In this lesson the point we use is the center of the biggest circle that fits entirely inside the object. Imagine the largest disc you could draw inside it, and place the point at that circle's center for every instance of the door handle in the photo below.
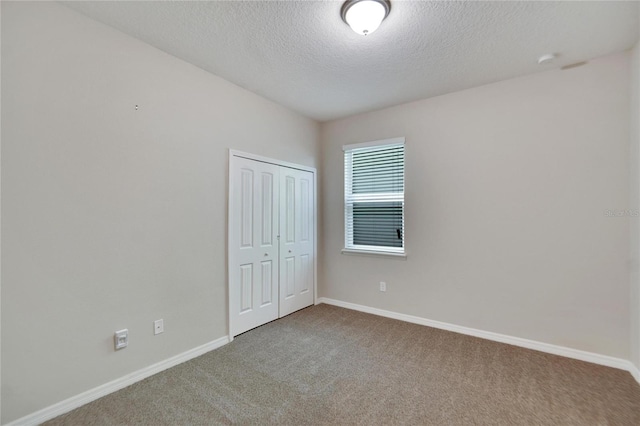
(266, 254)
(289, 251)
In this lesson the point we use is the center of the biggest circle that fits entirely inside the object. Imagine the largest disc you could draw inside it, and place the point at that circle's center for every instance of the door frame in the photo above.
(233, 154)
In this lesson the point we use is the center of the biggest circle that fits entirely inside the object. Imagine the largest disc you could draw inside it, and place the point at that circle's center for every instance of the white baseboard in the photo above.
(635, 372)
(74, 402)
(592, 357)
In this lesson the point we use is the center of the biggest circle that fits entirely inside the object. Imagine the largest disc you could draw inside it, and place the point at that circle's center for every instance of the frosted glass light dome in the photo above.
(365, 16)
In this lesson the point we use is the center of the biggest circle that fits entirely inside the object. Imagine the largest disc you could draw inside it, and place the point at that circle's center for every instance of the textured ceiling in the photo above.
(301, 55)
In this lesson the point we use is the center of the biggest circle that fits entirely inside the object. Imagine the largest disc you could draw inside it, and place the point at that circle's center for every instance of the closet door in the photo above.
(253, 244)
(296, 240)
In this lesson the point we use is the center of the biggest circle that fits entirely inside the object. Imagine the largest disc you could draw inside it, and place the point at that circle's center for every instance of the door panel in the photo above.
(305, 269)
(305, 211)
(267, 210)
(246, 287)
(267, 283)
(253, 268)
(289, 209)
(246, 208)
(289, 278)
(296, 245)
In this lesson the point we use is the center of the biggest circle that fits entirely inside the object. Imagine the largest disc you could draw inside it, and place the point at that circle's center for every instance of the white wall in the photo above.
(506, 191)
(113, 217)
(634, 197)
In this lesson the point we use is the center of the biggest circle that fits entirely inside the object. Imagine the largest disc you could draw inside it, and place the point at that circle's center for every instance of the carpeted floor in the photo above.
(328, 365)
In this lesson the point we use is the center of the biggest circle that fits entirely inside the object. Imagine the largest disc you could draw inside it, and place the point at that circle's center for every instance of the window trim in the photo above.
(373, 250)
(374, 253)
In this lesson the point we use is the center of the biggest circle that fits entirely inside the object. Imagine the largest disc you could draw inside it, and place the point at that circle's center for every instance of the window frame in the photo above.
(349, 247)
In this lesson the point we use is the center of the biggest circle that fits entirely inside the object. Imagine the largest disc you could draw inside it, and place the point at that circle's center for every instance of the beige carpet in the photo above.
(328, 365)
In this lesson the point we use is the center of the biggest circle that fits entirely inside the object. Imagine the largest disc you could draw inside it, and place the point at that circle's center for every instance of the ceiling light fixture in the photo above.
(365, 16)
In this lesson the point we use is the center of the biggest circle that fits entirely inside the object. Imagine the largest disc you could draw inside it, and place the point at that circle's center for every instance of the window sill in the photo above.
(351, 252)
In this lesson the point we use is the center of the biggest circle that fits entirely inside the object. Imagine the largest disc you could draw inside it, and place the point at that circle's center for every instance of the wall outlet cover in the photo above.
(158, 326)
(121, 339)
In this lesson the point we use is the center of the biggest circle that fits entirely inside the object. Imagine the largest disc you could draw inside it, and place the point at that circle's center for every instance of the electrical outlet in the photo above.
(121, 339)
(158, 326)
(383, 286)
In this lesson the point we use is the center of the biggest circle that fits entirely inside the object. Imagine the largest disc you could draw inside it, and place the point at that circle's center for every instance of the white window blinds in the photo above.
(374, 196)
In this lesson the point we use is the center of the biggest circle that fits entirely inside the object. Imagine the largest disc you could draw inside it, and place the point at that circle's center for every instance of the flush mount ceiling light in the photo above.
(365, 16)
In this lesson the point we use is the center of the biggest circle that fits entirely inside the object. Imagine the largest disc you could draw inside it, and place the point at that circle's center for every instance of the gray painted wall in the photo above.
(634, 203)
(111, 217)
(506, 190)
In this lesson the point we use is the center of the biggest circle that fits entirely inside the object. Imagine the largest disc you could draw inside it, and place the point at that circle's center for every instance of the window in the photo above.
(374, 197)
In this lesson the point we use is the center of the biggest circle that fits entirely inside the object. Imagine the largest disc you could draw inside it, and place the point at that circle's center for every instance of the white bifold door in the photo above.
(271, 242)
